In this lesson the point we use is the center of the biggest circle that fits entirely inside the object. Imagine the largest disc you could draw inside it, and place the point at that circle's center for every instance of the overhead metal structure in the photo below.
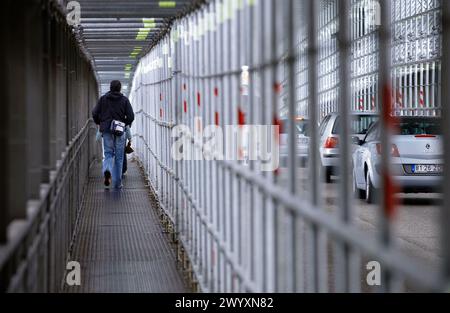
(116, 33)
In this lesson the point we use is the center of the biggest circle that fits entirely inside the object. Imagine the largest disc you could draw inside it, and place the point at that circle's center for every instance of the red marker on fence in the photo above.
(361, 104)
(241, 117)
(216, 118)
(422, 97)
(277, 122)
(399, 99)
(277, 87)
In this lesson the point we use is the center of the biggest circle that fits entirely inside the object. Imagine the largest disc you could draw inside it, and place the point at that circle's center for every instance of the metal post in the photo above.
(33, 91)
(4, 137)
(291, 278)
(16, 172)
(445, 209)
(52, 93)
(342, 268)
(263, 54)
(385, 94)
(272, 110)
(313, 11)
(46, 94)
(254, 247)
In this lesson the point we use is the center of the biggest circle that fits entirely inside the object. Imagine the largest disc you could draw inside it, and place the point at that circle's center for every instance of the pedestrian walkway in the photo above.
(120, 245)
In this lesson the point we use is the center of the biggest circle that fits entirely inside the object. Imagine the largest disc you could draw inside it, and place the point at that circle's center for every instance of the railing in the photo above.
(35, 257)
(50, 89)
(240, 229)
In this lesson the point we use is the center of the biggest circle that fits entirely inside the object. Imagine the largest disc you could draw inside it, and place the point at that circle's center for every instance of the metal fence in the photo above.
(249, 62)
(416, 52)
(50, 89)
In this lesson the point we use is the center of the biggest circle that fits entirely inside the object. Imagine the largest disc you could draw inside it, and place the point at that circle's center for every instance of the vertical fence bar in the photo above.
(16, 172)
(4, 127)
(292, 142)
(387, 193)
(445, 209)
(264, 57)
(46, 96)
(272, 110)
(313, 10)
(343, 253)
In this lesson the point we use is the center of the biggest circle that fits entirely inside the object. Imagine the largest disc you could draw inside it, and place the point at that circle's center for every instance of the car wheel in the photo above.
(358, 193)
(370, 190)
(326, 174)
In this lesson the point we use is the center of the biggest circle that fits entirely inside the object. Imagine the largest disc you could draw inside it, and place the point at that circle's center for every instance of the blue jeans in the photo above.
(114, 150)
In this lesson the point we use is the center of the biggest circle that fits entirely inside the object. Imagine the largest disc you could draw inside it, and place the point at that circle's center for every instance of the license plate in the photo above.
(427, 169)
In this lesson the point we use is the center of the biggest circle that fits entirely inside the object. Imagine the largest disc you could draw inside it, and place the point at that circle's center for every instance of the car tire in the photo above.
(325, 173)
(371, 192)
(358, 193)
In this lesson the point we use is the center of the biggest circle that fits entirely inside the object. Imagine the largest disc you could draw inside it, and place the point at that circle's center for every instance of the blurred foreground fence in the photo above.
(249, 63)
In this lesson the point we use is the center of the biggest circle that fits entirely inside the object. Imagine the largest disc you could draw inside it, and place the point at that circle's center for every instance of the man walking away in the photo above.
(111, 111)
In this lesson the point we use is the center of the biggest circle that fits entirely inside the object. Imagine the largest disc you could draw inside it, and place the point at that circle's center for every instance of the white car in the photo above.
(329, 130)
(416, 156)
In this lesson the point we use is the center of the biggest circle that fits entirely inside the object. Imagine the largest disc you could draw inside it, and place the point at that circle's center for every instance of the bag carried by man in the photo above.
(117, 128)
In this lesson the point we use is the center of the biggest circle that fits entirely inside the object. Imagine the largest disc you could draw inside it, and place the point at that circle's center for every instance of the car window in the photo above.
(337, 125)
(372, 134)
(324, 125)
(301, 126)
(422, 126)
(360, 124)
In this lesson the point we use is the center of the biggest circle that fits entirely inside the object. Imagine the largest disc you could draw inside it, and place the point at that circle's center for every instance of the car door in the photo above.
(362, 154)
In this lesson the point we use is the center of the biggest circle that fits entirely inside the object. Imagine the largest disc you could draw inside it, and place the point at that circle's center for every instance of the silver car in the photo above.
(329, 138)
(416, 154)
(302, 127)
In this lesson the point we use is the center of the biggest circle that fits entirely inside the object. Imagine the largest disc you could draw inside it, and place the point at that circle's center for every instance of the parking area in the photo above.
(416, 225)
(416, 220)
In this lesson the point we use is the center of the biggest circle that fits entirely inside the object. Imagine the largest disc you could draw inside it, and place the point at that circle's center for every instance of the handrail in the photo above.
(12, 253)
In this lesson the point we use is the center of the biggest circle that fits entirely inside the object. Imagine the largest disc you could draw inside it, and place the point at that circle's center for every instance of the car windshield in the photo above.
(418, 126)
(301, 126)
(360, 124)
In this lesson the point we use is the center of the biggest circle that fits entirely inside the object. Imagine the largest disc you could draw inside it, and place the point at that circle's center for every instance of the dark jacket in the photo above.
(112, 106)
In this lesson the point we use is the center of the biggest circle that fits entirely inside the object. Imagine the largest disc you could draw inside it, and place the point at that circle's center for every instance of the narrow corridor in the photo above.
(120, 244)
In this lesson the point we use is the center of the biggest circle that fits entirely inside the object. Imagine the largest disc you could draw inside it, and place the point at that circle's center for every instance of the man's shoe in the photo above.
(107, 178)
